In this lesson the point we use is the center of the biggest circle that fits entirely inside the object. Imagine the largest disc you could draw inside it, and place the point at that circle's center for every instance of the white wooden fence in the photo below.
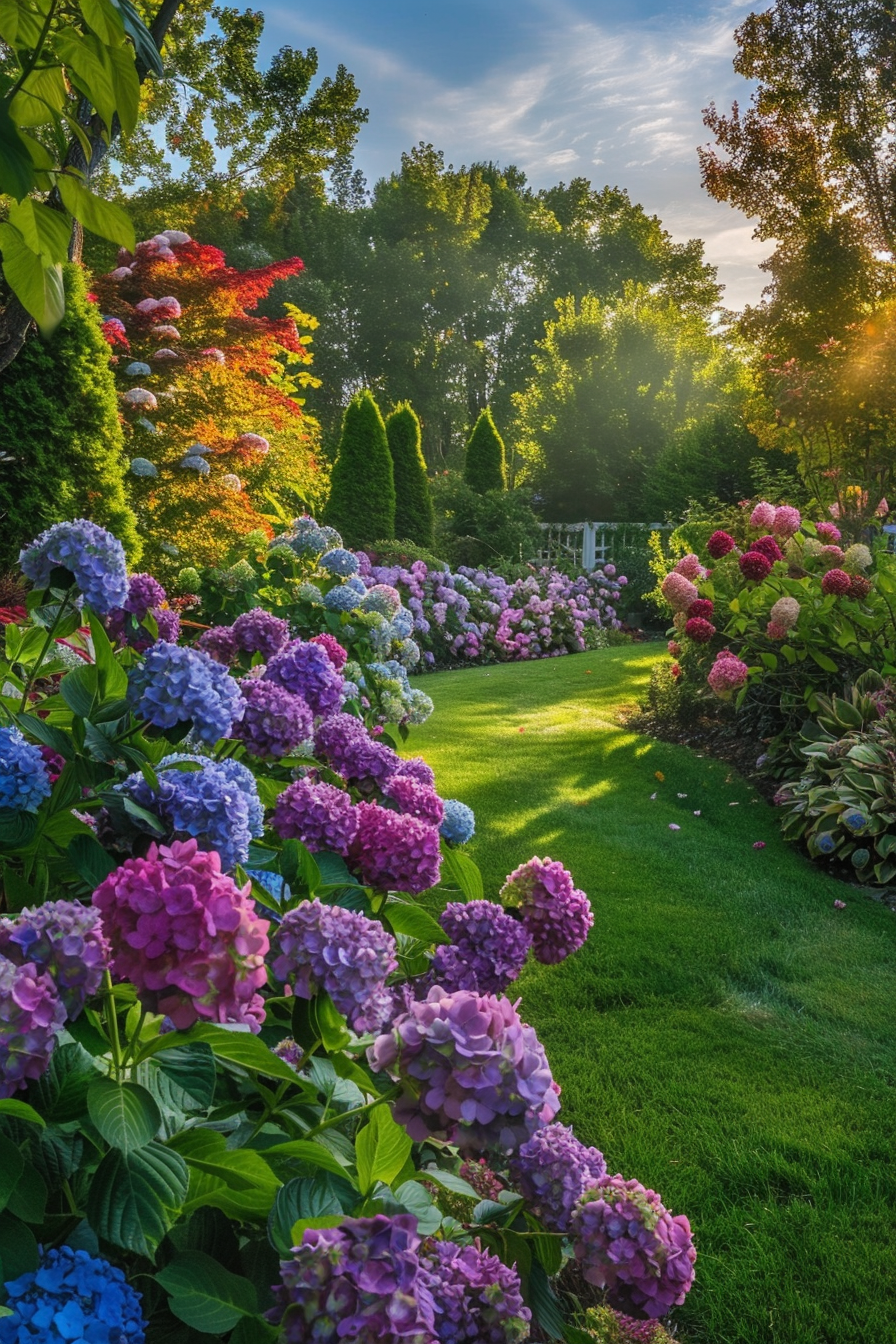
(587, 545)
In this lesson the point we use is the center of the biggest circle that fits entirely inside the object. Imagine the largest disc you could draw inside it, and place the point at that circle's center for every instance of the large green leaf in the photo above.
(124, 1113)
(191, 1070)
(20, 1110)
(243, 1184)
(99, 216)
(88, 66)
(112, 680)
(382, 1148)
(414, 921)
(20, 27)
(300, 1200)
(462, 871)
(104, 18)
(12, 1164)
(78, 689)
(89, 860)
(236, 1047)
(16, 163)
(38, 288)
(134, 1198)
(16, 828)
(205, 1295)
(18, 1248)
(306, 1150)
(147, 51)
(39, 102)
(61, 1094)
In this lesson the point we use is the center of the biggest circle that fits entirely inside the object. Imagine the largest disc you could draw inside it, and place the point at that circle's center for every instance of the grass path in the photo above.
(726, 1036)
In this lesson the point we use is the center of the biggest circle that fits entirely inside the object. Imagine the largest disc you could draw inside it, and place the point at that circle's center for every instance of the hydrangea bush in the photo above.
(236, 1036)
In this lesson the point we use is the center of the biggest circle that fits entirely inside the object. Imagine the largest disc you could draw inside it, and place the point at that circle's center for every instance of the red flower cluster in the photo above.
(754, 565)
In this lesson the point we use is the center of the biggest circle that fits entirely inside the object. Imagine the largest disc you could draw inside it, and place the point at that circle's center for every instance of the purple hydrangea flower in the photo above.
(417, 768)
(306, 670)
(168, 624)
(72, 1295)
(394, 852)
(487, 950)
(219, 643)
(552, 1171)
(459, 822)
(258, 631)
(144, 593)
(320, 815)
(93, 557)
(342, 952)
(275, 721)
(175, 685)
(472, 1073)
(629, 1244)
(555, 913)
(31, 1018)
(415, 799)
(347, 747)
(476, 1299)
(24, 779)
(65, 940)
(358, 1281)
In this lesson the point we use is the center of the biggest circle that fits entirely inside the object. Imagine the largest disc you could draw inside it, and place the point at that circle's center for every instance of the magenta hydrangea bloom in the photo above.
(341, 952)
(415, 799)
(219, 643)
(31, 1018)
(487, 951)
(763, 515)
(347, 747)
(555, 913)
(306, 670)
(552, 1171)
(787, 521)
(167, 623)
(394, 852)
(768, 547)
(754, 565)
(187, 937)
(678, 591)
(828, 532)
(471, 1072)
(699, 630)
(258, 631)
(836, 581)
(703, 608)
(727, 673)
(318, 814)
(357, 1282)
(337, 655)
(720, 544)
(476, 1298)
(65, 940)
(628, 1243)
(275, 721)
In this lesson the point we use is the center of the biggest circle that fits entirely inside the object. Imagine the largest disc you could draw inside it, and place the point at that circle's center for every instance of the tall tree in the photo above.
(485, 464)
(362, 487)
(413, 500)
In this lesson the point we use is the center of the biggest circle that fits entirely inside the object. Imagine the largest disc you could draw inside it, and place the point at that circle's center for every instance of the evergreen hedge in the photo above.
(485, 467)
(362, 487)
(59, 423)
(413, 501)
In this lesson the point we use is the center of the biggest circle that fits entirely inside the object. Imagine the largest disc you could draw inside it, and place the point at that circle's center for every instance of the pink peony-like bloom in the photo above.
(674, 648)
(727, 673)
(776, 631)
(755, 566)
(556, 914)
(882, 509)
(787, 521)
(187, 937)
(699, 630)
(690, 566)
(827, 532)
(831, 556)
(836, 582)
(394, 852)
(785, 612)
(678, 591)
(675, 670)
(719, 545)
(763, 515)
(702, 608)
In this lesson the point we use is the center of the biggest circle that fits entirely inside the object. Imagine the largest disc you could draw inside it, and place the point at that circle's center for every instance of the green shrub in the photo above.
(362, 486)
(485, 466)
(404, 553)
(59, 422)
(483, 529)
(413, 501)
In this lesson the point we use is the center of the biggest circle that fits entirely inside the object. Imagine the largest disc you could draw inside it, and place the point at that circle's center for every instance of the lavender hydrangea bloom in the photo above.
(415, 799)
(275, 722)
(628, 1243)
(487, 950)
(416, 768)
(555, 913)
(394, 852)
(459, 823)
(472, 1073)
(343, 953)
(174, 685)
(340, 562)
(24, 781)
(93, 557)
(31, 1018)
(167, 623)
(552, 1171)
(342, 598)
(358, 1281)
(144, 593)
(219, 643)
(345, 744)
(65, 940)
(476, 1298)
(259, 631)
(217, 805)
(72, 1295)
(320, 815)
(306, 670)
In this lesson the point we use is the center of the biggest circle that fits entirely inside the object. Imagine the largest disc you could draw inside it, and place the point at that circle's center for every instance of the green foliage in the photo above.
(362, 487)
(482, 529)
(485, 467)
(59, 422)
(413, 500)
(403, 552)
(714, 459)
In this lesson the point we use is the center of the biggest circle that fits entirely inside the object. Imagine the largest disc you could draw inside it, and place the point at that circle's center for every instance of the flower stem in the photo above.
(111, 1016)
(359, 1110)
(32, 678)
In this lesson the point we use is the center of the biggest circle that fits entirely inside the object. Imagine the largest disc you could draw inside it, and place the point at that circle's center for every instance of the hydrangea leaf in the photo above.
(125, 1114)
(204, 1294)
(135, 1198)
(382, 1148)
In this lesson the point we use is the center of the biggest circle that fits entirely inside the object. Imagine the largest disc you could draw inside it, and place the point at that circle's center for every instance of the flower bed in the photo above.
(236, 1036)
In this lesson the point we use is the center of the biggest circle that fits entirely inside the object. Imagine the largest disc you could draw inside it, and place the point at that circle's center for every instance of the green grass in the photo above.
(726, 1036)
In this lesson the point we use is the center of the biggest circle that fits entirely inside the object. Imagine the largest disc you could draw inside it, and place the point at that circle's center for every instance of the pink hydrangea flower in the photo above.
(827, 532)
(763, 515)
(719, 545)
(836, 582)
(678, 591)
(754, 565)
(787, 521)
(690, 567)
(727, 673)
(556, 914)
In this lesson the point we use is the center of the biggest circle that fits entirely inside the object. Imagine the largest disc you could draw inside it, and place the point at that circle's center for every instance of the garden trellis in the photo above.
(589, 545)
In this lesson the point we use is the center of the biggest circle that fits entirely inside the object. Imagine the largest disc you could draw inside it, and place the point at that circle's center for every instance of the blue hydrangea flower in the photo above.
(173, 685)
(305, 537)
(342, 598)
(825, 843)
(459, 824)
(854, 821)
(409, 653)
(357, 585)
(137, 369)
(339, 562)
(72, 1296)
(419, 707)
(331, 537)
(92, 556)
(193, 463)
(24, 781)
(403, 623)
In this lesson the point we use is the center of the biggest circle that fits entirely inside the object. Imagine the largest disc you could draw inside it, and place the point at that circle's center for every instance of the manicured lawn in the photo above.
(726, 1036)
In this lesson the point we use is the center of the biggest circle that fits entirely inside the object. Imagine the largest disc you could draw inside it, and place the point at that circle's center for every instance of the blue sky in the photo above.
(595, 89)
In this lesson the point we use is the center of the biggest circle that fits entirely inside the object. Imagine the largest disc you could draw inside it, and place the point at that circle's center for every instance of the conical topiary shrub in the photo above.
(413, 502)
(484, 466)
(362, 489)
